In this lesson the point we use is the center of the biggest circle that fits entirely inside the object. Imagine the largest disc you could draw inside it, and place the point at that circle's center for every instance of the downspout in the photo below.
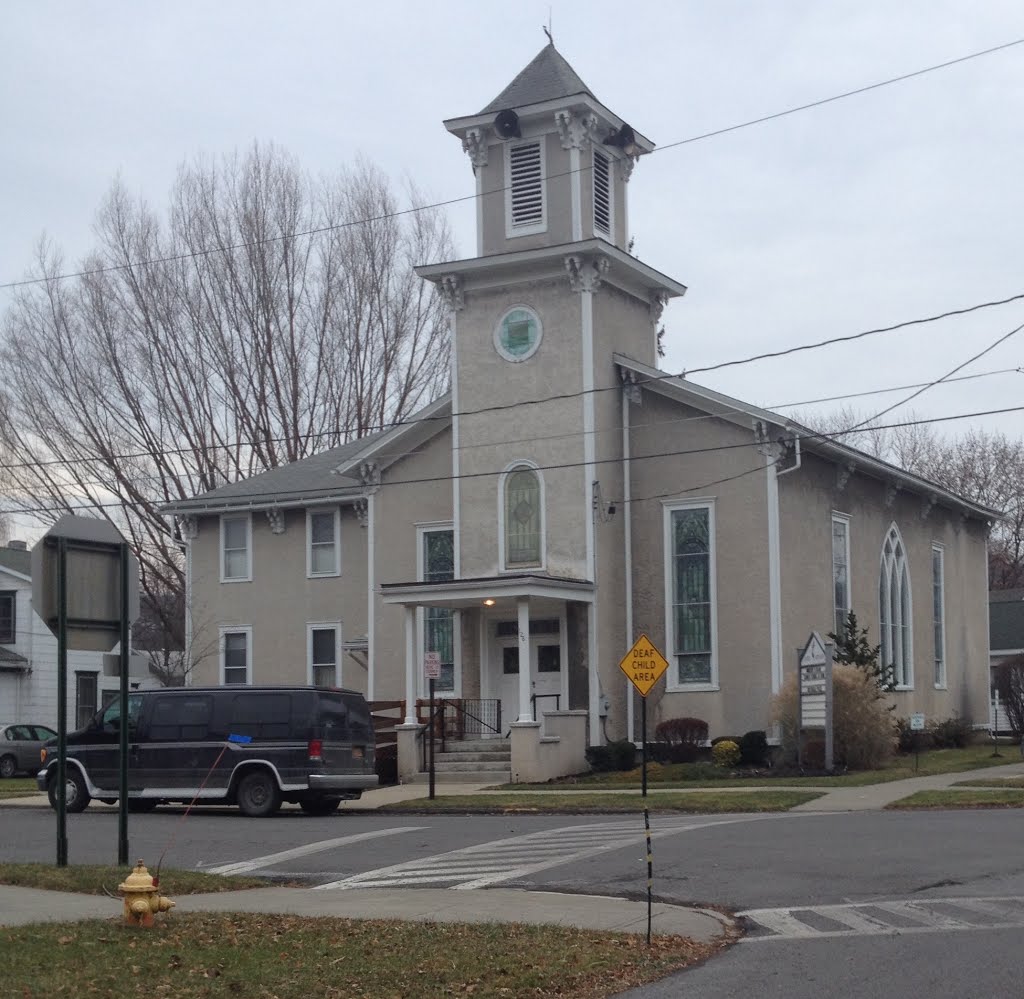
(773, 454)
(627, 514)
(371, 597)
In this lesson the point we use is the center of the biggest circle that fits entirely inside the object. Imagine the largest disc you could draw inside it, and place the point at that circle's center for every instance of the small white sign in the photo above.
(814, 653)
(432, 665)
(917, 722)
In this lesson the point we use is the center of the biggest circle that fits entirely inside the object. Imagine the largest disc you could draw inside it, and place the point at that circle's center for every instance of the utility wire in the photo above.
(318, 230)
(802, 435)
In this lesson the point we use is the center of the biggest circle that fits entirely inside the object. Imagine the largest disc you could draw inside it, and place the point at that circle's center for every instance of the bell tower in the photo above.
(551, 162)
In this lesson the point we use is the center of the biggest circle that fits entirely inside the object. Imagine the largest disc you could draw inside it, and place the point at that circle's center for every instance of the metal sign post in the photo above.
(85, 587)
(432, 670)
(644, 666)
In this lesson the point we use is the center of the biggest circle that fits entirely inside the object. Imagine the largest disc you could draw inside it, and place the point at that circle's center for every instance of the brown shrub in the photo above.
(863, 728)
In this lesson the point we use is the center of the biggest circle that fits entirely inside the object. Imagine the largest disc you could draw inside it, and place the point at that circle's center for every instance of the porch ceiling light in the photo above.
(489, 602)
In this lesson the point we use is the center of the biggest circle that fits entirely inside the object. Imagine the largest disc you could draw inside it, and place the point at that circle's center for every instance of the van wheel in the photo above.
(319, 806)
(258, 794)
(8, 766)
(76, 795)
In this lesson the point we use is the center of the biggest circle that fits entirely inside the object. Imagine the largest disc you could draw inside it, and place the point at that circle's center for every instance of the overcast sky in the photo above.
(900, 203)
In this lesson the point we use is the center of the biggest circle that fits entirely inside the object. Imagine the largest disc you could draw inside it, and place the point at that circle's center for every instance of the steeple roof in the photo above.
(547, 78)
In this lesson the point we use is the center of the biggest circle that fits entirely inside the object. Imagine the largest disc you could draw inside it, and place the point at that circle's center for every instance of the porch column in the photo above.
(410, 665)
(523, 607)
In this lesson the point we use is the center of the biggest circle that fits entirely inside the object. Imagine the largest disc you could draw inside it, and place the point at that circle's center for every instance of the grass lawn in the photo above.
(18, 787)
(991, 782)
(581, 803)
(686, 775)
(289, 957)
(1012, 798)
(91, 879)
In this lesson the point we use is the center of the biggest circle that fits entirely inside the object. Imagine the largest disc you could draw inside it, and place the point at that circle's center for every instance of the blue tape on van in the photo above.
(240, 738)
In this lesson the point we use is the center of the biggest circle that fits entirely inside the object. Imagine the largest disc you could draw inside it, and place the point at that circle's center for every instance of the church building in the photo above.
(567, 496)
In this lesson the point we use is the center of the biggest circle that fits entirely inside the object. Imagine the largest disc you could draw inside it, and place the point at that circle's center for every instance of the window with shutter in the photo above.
(526, 188)
(602, 194)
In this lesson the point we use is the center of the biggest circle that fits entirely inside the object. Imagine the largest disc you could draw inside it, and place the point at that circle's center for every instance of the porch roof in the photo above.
(475, 591)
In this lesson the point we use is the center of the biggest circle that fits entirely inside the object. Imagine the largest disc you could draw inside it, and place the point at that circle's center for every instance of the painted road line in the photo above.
(244, 866)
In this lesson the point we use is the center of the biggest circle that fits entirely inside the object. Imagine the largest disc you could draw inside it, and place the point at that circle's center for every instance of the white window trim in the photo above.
(672, 685)
(612, 170)
(336, 571)
(312, 626)
(421, 617)
(499, 347)
(845, 519)
(512, 232)
(245, 629)
(502, 479)
(247, 578)
(894, 531)
(940, 550)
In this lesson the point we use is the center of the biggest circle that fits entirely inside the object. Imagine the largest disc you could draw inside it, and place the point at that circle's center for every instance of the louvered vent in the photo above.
(602, 194)
(527, 185)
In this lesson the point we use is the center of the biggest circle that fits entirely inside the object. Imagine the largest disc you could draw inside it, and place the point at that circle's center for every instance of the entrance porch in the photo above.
(522, 646)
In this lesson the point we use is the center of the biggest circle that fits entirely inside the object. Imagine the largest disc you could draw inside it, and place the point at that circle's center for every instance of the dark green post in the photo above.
(62, 701)
(122, 797)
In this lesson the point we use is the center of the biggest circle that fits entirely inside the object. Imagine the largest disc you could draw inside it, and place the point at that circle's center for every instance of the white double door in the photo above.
(547, 676)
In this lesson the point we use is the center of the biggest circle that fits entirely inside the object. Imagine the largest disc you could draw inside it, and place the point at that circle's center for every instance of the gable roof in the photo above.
(745, 414)
(547, 77)
(1006, 619)
(321, 477)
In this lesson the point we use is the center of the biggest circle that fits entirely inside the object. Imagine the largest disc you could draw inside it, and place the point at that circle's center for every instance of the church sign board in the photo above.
(814, 687)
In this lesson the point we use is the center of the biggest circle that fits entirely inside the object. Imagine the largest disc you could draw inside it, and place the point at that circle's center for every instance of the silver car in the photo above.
(19, 748)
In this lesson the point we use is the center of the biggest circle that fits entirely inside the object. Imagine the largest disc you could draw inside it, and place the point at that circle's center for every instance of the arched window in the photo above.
(894, 610)
(522, 517)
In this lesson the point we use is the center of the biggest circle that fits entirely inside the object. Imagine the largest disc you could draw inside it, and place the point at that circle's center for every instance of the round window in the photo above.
(518, 334)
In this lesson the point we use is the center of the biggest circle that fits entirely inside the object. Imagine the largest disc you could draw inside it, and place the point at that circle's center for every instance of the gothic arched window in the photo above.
(894, 610)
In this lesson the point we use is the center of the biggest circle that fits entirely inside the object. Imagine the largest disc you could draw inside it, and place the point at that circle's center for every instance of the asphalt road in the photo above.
(905, 861)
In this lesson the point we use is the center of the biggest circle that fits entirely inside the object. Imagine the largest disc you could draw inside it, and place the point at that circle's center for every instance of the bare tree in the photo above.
(983, 466)
(213, 343)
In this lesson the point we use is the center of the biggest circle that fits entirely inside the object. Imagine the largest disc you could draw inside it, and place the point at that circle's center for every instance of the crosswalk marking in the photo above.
(243, 866)
(519, 856)
(933, 915)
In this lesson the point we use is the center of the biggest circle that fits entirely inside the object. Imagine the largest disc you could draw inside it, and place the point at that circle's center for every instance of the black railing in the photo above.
(540, 697)
(458, 718)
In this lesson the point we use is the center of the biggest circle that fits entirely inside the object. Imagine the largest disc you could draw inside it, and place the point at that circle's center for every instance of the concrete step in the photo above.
(460, 757)
(495, 766)
(477, 745)
(463, 777)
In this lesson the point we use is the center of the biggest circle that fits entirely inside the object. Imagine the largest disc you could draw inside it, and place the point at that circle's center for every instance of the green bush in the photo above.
(725, 754)
(950, 733)
(754, 748)
(909, 741)
(618, 755)
(700, 771)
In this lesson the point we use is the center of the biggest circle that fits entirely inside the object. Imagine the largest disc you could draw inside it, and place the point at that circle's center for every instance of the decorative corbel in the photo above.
(586, 274)
(362, 508)
(576, 131)
(656, 305)
(843, 473)
(631, 386)
(369, 475)
(626, 165)
(926, 507)
(474, 144)
(891, 491)
(188, 528)
(276, 518)
(451, 289)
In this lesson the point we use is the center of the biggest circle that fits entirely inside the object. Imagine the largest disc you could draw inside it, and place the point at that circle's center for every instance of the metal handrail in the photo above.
(534, 698)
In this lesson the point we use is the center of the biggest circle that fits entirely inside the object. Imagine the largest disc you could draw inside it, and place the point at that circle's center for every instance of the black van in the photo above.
(248, 746)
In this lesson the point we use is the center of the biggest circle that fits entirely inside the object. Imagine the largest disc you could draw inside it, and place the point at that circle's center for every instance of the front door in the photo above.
(546, 676)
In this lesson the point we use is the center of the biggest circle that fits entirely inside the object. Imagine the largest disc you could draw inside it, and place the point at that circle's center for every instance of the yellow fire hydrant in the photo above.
(142, 899)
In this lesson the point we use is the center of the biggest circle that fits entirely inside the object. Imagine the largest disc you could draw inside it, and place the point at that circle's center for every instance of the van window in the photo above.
(262, 715)
(176, 717)
(344, 719)
(110, 717)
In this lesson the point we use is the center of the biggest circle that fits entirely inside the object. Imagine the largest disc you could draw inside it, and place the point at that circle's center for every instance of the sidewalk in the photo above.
(495, 905)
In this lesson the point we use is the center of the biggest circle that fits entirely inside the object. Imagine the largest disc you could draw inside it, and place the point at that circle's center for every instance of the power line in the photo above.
(319, 230)
(806, 435)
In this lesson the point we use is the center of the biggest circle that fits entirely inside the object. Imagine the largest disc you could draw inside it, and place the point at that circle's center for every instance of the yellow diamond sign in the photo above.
(644, 665)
